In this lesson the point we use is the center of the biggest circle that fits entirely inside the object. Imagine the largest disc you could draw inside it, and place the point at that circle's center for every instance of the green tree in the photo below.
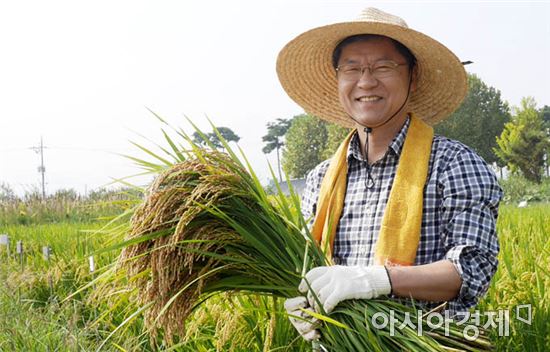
(336, 134)
(226, 133)
(524, 141)
(545, 112)
(212, 137)
(274, 139)
(479, 120)
(306, 140)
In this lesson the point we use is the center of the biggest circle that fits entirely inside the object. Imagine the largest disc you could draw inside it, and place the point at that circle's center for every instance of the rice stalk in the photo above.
(207, 226)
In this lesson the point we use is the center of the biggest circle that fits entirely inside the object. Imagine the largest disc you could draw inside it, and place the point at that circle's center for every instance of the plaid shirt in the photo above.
(461, 200)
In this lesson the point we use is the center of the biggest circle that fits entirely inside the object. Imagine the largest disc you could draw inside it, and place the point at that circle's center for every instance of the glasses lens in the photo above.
(380, 69)
(349, 72)
(385, 68)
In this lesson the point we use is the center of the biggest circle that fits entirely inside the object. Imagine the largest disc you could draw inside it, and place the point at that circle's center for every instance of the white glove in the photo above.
(303, 322)
(333, 284)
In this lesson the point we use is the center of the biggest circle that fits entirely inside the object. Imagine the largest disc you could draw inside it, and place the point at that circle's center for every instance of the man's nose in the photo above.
(367, 79)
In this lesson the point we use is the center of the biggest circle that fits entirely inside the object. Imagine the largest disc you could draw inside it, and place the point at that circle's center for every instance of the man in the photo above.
(400, 211)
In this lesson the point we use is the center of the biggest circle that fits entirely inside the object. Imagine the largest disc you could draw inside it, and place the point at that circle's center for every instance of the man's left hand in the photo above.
(333, 284)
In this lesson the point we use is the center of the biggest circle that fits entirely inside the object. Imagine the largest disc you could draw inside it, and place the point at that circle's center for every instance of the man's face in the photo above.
(369, 100)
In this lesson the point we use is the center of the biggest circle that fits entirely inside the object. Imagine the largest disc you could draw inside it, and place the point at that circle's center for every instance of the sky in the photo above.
(82, 75)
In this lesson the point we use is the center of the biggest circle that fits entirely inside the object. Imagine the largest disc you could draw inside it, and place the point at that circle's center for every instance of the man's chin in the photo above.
(368, 121)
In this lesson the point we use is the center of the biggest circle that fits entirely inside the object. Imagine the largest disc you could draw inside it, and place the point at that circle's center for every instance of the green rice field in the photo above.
(40, 311)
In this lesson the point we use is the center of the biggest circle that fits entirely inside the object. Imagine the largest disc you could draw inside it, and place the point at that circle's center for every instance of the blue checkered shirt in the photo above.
(460, 209)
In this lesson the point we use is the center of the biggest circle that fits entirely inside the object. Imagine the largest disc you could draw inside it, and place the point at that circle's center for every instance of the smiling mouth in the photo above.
(369, 98)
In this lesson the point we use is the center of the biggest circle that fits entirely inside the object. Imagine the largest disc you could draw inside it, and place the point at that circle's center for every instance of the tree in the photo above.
(479, 120)
(66, 194)
(524, 141)
(201, 140)
(336, 134)
(7, 194)
(545, 114)
(274, 139)
(226, 133)
(306, 140)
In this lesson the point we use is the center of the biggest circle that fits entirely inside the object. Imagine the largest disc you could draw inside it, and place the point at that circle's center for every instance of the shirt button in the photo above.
(364, 250)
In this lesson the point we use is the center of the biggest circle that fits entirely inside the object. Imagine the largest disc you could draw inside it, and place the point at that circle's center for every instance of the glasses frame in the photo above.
(394, 65)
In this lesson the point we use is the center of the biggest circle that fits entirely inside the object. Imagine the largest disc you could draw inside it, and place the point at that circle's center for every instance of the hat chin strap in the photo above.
(369, 182)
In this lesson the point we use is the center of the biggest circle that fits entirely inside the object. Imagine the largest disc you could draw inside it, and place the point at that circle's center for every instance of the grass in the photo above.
(65, 206)
(36, 323)
(33, 318)
(523, 276)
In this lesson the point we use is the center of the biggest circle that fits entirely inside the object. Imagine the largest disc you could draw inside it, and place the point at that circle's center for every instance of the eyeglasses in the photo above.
(380, 69)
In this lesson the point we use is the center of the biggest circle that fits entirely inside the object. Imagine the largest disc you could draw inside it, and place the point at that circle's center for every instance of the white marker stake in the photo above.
(46, 251)
(19, 250)
(92, 263)
(5, 240)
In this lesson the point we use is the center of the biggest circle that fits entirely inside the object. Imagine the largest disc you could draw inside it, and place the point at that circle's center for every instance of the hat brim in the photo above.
(304, 67)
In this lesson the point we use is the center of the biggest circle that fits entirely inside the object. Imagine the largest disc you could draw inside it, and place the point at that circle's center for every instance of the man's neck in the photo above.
(380, 138)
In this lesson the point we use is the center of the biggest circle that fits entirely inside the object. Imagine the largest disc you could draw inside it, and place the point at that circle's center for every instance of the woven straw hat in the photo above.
(304, 67)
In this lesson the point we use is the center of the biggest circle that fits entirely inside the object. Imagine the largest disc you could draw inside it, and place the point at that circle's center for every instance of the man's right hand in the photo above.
(303, 322)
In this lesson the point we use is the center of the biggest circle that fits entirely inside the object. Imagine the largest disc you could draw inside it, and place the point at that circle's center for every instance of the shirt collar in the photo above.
(395, 147)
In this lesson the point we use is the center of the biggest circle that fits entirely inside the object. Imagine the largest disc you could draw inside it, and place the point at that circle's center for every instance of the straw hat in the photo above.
(305, 68)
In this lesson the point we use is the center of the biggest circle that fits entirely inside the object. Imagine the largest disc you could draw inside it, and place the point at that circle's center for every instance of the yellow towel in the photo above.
(400, 228)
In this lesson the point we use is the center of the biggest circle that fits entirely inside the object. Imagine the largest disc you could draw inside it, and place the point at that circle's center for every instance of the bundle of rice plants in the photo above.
(187, 242)
(208, 226)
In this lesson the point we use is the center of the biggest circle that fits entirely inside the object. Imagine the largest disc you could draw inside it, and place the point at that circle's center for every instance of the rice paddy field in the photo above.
(39, 310)
(100, 276)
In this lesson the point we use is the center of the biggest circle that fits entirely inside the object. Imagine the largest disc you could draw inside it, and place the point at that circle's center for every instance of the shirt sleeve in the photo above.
(311, 192)
(471, 196)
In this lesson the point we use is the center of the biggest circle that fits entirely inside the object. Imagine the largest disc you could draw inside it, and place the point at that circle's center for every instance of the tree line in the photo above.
(517, 137)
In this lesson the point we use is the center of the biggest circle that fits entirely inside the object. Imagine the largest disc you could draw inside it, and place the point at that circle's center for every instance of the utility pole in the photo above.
(41, 168)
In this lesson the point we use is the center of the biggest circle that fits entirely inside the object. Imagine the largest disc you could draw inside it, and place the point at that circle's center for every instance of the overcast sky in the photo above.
(82, 74)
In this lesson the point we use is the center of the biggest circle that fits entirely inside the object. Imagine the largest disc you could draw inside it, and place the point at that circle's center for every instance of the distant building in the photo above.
(298, 185)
